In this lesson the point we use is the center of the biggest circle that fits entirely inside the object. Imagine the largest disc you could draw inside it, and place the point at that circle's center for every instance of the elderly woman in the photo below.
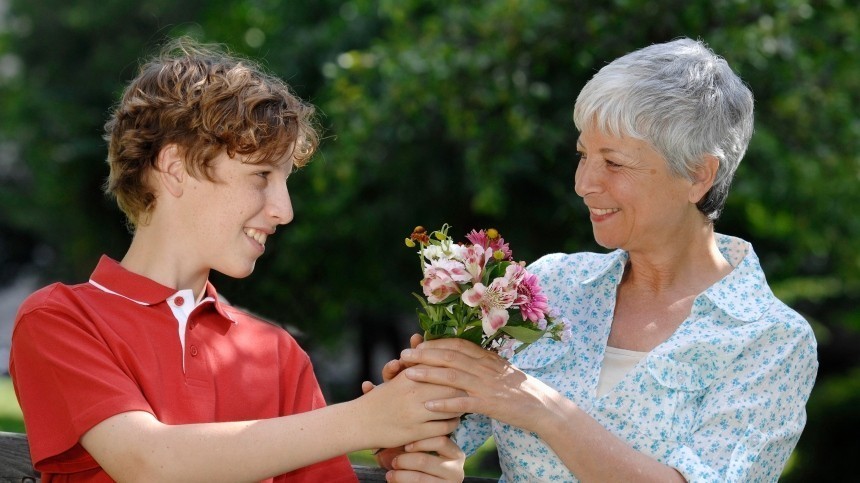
(683, 365)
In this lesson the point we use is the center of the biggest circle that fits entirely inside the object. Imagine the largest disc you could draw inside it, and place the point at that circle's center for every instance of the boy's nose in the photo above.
(281, 207)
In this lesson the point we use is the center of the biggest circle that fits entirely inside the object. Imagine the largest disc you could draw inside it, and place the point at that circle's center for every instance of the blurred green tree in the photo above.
(441, 112)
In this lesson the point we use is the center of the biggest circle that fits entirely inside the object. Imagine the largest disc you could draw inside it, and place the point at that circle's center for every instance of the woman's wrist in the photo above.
(558, 417)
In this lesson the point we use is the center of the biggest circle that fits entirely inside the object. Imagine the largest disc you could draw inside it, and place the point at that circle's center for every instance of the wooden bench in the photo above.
(15, 464)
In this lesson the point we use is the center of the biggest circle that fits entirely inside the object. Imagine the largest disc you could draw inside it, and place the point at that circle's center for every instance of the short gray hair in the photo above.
(684, 100)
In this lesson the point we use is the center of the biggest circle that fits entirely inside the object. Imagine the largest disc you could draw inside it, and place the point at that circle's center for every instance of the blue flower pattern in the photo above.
(723, 399)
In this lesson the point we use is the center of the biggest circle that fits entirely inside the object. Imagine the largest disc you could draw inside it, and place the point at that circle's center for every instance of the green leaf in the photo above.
(436, 332)
(473, 334)
(516, 319)
(522, 334)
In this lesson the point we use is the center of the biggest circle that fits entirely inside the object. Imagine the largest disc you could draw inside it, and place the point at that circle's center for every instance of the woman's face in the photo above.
(634, 201)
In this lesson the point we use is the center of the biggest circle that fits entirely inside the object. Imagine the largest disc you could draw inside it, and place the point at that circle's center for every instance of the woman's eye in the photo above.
(612, 164)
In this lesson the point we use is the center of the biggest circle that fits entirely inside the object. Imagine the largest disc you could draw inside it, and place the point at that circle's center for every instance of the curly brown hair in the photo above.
(206, 101)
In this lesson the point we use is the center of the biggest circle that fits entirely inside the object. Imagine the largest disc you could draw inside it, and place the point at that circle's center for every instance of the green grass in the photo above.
(10, 413)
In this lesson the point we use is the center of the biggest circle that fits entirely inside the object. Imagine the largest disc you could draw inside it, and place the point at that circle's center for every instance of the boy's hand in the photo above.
(394, 367)
(429, 460)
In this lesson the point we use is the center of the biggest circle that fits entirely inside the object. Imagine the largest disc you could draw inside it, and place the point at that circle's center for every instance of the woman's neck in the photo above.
(688, 264)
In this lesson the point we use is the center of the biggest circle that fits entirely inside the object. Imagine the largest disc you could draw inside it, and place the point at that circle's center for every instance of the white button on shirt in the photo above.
(723, 399)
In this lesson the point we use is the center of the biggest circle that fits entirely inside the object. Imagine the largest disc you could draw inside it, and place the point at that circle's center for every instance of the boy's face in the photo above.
(228, 220)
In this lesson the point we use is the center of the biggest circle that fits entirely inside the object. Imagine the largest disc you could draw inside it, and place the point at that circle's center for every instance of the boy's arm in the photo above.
(134, 446)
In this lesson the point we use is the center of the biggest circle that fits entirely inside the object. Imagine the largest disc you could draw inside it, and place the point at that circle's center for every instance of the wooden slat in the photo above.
(369, 474)
(15, 464)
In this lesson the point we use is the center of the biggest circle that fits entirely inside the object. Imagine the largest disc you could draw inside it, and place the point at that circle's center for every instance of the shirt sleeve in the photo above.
(67, 381)
(302, 393)
(750, 420)
(472, 432)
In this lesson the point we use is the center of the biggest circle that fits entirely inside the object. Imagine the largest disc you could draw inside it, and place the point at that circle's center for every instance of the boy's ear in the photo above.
(703, 178)
(170, 169)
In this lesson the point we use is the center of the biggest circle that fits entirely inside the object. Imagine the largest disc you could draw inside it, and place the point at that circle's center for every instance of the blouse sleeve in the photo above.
(750, 420)
(472, 432)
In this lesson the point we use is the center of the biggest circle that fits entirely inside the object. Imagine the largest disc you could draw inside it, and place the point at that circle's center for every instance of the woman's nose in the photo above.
(585, 179)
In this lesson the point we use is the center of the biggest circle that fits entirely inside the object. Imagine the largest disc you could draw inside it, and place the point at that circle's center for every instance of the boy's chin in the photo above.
(238, 272)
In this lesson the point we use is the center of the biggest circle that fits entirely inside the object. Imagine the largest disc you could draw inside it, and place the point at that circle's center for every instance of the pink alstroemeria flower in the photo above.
(494, 302)
(475, 258)
(442, 278)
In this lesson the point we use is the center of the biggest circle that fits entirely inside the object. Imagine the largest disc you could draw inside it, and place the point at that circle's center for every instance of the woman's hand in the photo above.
(492, 385)
(429, 460)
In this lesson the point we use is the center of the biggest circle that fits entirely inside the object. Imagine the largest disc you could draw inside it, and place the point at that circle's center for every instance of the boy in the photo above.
(142, 373)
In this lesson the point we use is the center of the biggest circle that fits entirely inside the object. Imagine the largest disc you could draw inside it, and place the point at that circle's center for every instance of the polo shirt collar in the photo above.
(111, 277)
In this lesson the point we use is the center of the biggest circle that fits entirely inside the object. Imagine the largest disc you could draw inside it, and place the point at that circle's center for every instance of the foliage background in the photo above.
(453, 112)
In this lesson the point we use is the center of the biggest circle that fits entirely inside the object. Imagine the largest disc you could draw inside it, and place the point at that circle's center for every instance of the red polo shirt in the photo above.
(122, 342)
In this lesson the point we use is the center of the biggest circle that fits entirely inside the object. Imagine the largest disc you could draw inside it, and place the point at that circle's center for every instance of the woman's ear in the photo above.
(703, 178)
(170, 169)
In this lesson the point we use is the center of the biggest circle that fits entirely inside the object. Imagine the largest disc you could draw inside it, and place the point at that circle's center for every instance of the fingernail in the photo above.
(409, 447)
(407, 354)
(431, 405)
(414, 372)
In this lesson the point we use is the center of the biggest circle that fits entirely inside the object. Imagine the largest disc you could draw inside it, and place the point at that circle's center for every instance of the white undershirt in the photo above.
(616, 364)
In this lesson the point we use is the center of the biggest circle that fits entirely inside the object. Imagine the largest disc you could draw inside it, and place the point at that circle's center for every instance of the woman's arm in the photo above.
(135, 446)
(499, 390)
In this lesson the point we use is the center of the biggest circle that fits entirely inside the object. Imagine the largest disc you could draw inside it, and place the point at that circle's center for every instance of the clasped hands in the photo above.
(485, 382)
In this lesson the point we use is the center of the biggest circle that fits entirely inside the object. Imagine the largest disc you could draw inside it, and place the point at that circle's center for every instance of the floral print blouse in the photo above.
(723, 399)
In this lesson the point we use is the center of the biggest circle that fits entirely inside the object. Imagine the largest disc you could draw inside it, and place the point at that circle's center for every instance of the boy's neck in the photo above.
(153, 256)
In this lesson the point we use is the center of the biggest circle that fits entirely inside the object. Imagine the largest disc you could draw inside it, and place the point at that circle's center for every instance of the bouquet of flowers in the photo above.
(476, 291)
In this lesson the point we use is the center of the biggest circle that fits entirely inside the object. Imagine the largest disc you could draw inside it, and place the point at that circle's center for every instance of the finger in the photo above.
(454, 405)
(437, 357)
(447, 464)
(407, 476)
(431, 465)
(415, 340)
(442, 427)
(391, 369)
(455, 344)
(367, 386)
(441, 415)
(440, 356)
(443, 445)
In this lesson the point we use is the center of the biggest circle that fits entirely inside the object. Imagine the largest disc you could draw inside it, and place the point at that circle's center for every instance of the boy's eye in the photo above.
(578, 157)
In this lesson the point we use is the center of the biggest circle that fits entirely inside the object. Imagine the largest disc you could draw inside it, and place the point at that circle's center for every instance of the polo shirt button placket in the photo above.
(194, 351)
